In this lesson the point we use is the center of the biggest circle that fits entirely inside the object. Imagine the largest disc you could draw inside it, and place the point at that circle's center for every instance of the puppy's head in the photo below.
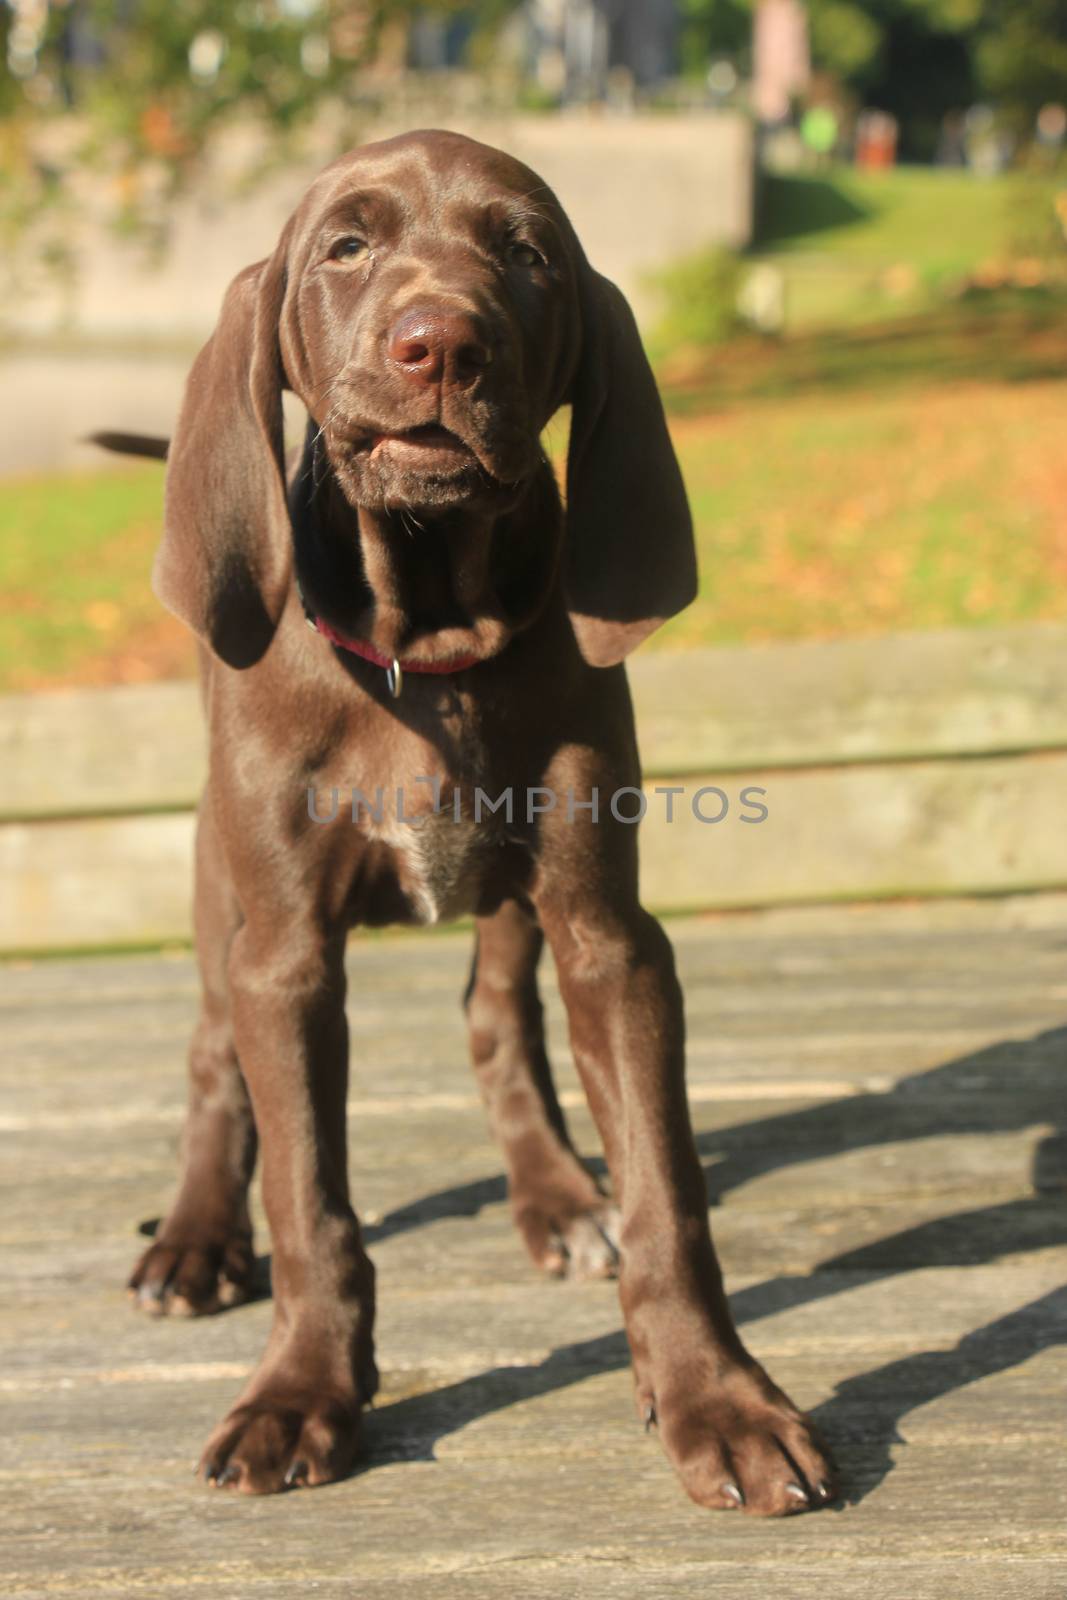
(429, 303)
(427, 315)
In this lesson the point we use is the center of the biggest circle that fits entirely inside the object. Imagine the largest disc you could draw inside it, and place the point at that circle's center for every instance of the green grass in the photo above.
(75, 553)
(824, 513)
(852, 514)
(855, 246)
(936, 217)
(1004, 337)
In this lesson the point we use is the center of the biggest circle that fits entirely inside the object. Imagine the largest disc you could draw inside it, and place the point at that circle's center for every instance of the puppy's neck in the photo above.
(435, 585)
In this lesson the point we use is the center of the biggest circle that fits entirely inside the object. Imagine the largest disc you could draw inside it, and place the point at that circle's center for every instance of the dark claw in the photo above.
(650, 1419)
(797, 1492)
(210, 1473)
(732, 1492)
(296, 1475)
(229, 1474)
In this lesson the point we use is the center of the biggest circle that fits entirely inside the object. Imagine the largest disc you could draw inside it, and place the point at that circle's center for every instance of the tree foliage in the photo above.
(134, 91)
(916, 54)
(152, 79)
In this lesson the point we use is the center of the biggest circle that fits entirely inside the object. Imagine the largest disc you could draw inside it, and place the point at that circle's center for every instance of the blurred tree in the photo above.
(1022, 54)
(918, 59)
(711, 28)
(150, 82)
(168, 71)
(923, 71)
(160, 73)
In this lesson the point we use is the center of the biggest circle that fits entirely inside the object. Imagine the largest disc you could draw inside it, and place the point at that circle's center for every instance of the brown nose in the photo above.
(439, 347)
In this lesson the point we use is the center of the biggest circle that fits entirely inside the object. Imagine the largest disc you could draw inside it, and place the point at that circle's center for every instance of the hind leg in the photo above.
(201, 1257)
(566, 1222)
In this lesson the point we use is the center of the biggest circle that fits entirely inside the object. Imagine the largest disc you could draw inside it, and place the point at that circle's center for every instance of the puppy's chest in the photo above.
(427, 806)
(442, 863)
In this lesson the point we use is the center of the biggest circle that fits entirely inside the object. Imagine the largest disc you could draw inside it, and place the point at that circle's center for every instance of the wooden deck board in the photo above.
(872, 1091)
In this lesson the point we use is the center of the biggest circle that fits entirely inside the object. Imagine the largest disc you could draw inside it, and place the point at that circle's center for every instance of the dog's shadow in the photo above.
(862, 1419)
(1027, 1075)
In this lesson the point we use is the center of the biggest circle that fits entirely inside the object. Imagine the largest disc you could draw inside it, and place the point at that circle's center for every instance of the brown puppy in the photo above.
(431, 306)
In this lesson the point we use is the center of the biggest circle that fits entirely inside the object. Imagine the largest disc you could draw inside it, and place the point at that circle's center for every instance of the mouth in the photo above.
(428, 465)
(430, 445)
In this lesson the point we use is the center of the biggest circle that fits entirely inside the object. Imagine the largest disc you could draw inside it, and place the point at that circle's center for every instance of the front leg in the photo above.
(733, 1437)
(296, 1421)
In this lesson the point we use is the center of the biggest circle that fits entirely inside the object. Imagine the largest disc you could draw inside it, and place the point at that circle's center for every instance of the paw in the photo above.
(282, 1440)
(745, 1447)
(580, 1246)
(184, 1273)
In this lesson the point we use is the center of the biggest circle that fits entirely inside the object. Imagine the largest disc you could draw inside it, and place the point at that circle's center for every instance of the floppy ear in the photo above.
(631, 562)
(224, 563)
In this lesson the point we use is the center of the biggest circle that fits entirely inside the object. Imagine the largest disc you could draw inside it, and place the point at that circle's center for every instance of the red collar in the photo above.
(394, 669)
(359, 647)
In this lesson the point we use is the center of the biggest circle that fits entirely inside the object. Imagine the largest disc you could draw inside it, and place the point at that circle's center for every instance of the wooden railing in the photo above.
(916, 765)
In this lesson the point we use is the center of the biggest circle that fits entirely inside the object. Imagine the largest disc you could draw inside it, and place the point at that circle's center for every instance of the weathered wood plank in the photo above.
(861, 832)
(611, 1576)
(884, 1253)
(909, 696)
(84, 752)
(847, 816)
(917, 696)
(98, 881)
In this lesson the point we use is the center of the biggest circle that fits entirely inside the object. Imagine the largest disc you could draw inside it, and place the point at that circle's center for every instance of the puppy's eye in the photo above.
(348, 250)
(524, 255)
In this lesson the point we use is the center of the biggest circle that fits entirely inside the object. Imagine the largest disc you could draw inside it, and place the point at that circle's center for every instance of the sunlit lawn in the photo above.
(75, 602)
(855, 246)
(845, 514)
(825, 513)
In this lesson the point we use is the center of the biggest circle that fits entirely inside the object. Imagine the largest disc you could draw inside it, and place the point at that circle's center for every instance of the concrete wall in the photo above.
(641, 190)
